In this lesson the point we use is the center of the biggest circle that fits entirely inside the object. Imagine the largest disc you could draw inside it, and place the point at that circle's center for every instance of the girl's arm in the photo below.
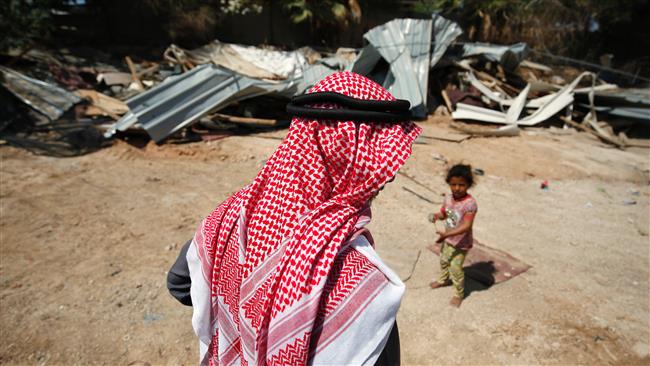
(465, 226)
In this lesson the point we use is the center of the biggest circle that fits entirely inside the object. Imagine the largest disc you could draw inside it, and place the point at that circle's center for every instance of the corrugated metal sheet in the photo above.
(182, 100)
(178, 102)
(48, 99)
(627, 103)
(508, 57)
(405, 44)
(444, 33)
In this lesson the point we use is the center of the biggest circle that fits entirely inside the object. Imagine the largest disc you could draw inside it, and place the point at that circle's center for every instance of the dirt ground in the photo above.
(86, 242)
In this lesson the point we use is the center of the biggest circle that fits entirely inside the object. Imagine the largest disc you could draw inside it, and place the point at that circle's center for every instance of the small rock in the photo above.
(440, 158)
(151, 317)
(598, 338)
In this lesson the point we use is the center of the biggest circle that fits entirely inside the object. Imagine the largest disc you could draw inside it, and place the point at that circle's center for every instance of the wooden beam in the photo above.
(585, 129)
(244, 120)
(134, 74)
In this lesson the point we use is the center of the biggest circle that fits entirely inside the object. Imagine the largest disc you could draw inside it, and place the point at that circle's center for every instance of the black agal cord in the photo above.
(353, 109)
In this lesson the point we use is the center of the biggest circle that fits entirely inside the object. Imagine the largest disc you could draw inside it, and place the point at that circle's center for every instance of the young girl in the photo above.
(458, 212)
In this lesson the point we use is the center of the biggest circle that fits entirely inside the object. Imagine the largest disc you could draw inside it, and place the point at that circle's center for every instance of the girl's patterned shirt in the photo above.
(456, 212)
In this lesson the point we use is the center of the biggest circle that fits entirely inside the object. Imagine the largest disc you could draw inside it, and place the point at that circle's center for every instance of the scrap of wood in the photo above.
(416, 182)
(445, 97)
(115, 78)
(148, 70)
(488, 77)
(445, 136)
(420, 196)
(600, 136)
(102, 104)
(507, 130)
(535, 66)
(502, 84)
(637, 143)
(413, 267)
(134, 74)
(244, 120)
(188, 65)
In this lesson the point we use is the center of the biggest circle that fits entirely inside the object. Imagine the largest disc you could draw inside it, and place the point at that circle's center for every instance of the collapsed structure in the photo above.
(420, 60)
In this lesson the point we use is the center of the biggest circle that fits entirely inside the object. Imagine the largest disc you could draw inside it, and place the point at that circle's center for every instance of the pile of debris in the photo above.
(222, 88)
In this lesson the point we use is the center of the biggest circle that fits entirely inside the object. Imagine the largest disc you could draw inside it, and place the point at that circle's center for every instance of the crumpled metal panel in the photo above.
(405, 44)
(250, 61)
(631, 103)
(49, 100)
(182, 100)
(445, 32)
(508, 57)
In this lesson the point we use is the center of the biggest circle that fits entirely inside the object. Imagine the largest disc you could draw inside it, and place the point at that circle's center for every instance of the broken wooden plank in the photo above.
(420, 196)
(637, 143)
(503, 131)
(599, 135)
(244, 120)
(102, 105)
(416, 181)
(148, 70)
(134, 74)
(445, 136)
(445, 97)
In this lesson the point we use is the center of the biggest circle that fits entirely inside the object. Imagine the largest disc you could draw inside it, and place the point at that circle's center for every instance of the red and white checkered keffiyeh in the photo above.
(274, 277)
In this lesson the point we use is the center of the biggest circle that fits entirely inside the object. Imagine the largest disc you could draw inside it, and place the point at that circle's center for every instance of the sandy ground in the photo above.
(86, 242)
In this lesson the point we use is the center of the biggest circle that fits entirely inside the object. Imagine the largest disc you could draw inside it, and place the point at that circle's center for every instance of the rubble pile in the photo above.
(222, 89)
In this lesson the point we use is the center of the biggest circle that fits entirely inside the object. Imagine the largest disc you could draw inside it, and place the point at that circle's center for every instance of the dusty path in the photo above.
(85, 244)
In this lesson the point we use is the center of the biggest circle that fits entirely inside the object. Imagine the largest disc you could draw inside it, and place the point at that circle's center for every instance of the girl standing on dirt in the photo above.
(458, 212)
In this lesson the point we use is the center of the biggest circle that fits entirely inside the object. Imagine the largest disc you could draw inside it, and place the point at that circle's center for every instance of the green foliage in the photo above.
(21, 22)
(326, 11)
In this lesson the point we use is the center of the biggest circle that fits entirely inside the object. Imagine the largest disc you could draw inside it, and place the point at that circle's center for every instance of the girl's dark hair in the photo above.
(462, 171)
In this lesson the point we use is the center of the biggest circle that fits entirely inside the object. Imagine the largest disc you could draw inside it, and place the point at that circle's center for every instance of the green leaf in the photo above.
(339, 10)
(306, 14)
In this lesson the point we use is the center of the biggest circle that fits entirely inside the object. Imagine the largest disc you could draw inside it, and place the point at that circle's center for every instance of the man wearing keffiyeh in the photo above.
(283, 272)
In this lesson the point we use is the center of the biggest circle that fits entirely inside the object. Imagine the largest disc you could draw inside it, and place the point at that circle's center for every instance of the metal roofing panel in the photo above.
(445, 32)
(183, 99)
(48, 99)
(405, 45)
